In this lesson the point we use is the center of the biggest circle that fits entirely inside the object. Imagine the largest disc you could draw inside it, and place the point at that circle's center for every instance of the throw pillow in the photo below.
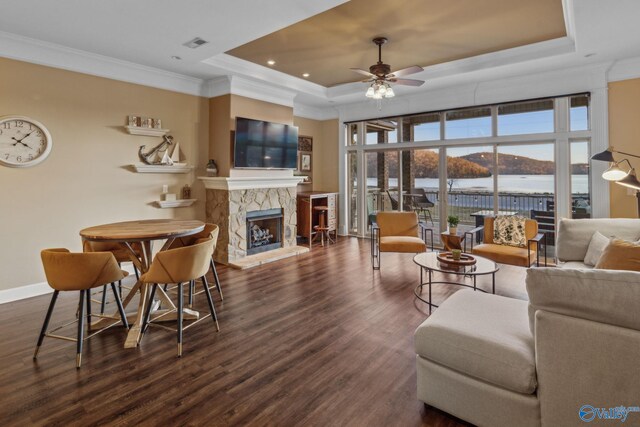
(596, 246)
(620, 255)
(509, 230)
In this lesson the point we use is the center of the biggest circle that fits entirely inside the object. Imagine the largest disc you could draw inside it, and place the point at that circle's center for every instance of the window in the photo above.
(579, 112)
(526, 117)
(382, 132)
(580, 187)
(469, 123)
(422, 127)
(352, 134)
(447, 170)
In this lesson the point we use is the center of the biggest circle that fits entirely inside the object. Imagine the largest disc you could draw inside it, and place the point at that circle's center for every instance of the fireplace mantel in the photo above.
(247, 183)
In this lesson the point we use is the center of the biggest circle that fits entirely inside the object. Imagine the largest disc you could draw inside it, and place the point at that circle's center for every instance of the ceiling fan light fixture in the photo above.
(370, 92)
(389, 93)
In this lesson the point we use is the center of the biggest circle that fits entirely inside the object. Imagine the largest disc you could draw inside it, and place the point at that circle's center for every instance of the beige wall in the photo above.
(325, 152)
(624, 135)
(85, 181)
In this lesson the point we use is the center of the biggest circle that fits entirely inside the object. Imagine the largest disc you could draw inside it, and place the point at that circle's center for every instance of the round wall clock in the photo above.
(23, 141)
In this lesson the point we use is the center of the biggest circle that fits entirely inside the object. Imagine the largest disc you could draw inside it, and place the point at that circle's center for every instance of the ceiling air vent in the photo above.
(197, 42)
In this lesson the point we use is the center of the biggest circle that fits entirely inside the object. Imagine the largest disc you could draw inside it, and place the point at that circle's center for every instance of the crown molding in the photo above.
(235, 66)
(53, 55)
(314, 113)
(241, 86)
(624, 69)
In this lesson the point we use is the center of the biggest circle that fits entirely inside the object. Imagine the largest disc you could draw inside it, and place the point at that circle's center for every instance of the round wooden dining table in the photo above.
(145, 232)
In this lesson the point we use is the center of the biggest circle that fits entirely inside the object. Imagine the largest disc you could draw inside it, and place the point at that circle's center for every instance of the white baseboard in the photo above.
(28, 291)
(22, 292)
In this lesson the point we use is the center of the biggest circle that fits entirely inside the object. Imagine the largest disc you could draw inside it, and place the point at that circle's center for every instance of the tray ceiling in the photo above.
(420, 32)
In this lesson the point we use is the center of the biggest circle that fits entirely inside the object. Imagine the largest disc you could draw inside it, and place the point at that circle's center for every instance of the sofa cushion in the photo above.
(402, 244)
(504, 254)
(605, 296)
(483, 336)
(574, 235)
(597, 244)
(620, 255)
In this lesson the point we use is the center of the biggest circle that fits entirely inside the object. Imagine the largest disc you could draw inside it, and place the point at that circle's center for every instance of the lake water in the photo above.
(506, 183)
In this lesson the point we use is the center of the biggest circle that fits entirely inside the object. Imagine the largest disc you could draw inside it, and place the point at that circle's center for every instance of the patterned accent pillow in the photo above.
(509, 230)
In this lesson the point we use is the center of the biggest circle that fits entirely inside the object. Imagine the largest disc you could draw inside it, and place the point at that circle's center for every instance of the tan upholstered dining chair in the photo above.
(397, 232)
(179, 266)
(66, 271)
(121, 254)
(209, 231)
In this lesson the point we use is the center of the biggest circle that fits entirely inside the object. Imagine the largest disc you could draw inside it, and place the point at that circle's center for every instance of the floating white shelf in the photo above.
(164, 204)
(175, 168)
(137, 130)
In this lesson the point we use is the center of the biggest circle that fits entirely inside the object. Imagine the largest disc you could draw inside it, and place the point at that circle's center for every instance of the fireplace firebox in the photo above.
(264, 230)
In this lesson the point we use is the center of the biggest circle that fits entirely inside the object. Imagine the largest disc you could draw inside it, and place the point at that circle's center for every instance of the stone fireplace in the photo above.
(235, 202)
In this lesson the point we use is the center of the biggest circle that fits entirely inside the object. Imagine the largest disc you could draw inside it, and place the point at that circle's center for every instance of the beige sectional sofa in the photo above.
(574, 236)
(496, 361)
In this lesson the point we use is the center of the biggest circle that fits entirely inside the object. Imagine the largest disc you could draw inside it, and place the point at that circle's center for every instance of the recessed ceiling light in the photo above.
(177, 58)
(271, 62)
(305, 75)
(589, 55)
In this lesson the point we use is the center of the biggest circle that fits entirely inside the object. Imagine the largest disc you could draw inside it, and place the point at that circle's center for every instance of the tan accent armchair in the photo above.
(180, 266)
(397, 232)
(66, 271)
(505, 254)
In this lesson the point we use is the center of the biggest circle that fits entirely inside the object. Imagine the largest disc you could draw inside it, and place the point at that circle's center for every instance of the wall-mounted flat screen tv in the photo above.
(265, 145)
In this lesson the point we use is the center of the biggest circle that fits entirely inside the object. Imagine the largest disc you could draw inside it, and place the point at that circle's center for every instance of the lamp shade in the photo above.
(604, 156)
(631, 180)
(614, 173)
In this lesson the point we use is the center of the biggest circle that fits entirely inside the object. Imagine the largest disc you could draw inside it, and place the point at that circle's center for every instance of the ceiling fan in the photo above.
(380, 75)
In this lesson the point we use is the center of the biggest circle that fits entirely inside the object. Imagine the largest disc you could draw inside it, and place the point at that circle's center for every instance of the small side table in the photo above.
(451, 241)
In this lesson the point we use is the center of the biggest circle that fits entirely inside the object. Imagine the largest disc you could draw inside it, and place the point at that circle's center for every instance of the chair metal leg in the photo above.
(180, 304)
(45, 325)
(135, 270)
(430, 217)
(103, 303)
(88, 298)
(210, 301)
(147, 313)
(217, 280)
(123, 315)
(80, 339)
(192, 284)
(120, 282)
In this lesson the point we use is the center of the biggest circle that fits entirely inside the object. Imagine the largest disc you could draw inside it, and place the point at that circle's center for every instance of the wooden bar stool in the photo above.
(322, 228)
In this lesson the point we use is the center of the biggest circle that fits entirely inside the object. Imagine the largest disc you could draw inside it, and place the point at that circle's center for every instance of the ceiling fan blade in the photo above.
(405, 71)
(407, 82)
(367, 80)
(363, 72)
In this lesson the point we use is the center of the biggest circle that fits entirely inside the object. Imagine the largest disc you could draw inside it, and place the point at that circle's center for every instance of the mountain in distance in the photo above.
(426, 166)
(476, 165)
(511, 164)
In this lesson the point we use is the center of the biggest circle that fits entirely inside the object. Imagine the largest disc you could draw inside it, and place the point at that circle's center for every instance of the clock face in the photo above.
(23, 141)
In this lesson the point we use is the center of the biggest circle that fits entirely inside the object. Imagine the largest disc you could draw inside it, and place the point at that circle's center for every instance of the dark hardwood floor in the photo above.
(318, 339)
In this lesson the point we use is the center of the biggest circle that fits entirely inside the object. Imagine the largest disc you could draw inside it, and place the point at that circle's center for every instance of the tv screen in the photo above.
(265, 145)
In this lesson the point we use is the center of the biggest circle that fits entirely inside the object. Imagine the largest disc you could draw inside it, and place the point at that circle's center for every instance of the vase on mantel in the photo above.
(212, 168)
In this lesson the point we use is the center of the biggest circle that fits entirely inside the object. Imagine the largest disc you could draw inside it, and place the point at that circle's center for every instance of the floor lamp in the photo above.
(616, 174)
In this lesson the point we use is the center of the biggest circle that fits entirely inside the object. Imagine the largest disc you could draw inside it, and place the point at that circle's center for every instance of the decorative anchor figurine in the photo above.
(159, 154)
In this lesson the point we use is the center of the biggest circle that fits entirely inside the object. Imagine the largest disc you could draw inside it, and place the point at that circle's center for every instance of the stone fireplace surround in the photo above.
(228, 201)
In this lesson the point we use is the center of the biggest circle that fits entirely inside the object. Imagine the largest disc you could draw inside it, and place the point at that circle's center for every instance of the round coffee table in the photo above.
(428, 261)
